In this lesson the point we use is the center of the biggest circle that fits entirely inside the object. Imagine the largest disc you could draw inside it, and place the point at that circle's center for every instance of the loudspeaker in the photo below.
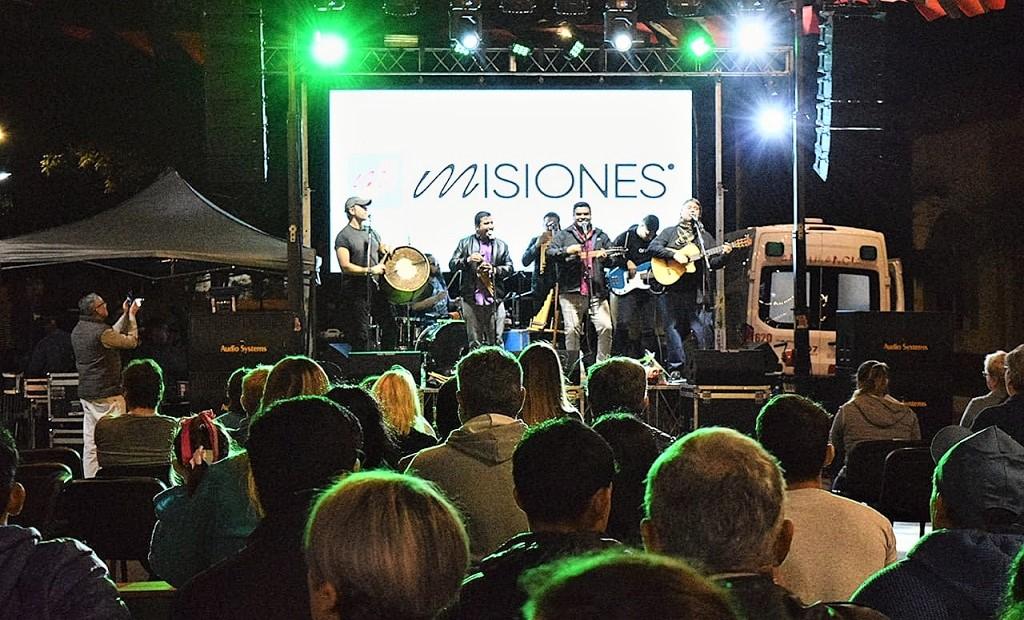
(226, 341)
(744, 367)
(355, 367)
(904, 340)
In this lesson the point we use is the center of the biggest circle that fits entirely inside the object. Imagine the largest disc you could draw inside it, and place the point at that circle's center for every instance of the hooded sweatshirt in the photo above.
(868, 417)
(949, 575)
(474, 469)
(53, 579)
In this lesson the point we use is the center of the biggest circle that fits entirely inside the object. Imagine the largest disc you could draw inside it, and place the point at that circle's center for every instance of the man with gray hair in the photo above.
(995, 379)
(98, 360)
(715, 499)
(1008, 416)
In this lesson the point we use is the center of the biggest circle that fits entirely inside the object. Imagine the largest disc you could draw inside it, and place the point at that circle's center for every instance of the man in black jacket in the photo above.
(483, 262)
(580, 251)
(563, 474)
(686, 304)
(635, 310)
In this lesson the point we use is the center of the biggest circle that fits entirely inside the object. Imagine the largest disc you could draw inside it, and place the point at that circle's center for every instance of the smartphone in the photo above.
(138, 301)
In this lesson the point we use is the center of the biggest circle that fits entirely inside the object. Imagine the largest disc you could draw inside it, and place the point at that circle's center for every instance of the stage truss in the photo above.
(546, 62)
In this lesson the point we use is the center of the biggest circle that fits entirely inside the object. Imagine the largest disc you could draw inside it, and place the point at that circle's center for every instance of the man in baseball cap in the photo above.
(977, 509)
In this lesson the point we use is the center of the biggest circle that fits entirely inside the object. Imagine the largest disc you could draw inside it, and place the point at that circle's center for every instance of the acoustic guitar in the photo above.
(667, 271)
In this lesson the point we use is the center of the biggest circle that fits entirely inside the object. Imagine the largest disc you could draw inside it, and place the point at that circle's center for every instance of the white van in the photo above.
(847, 269)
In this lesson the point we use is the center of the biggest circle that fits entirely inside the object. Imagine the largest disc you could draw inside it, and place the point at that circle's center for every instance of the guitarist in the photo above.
(483, 263)
(635, 310)
(580, 251)
(360, 255)
(685, 306)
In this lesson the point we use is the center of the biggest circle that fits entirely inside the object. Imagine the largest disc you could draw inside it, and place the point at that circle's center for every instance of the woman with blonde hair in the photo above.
(399, 400)
(295, 375)
(871, 414)
(545, 385)
(384, 545)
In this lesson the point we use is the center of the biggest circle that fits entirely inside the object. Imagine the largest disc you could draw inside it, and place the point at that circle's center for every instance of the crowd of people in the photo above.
(306, 498)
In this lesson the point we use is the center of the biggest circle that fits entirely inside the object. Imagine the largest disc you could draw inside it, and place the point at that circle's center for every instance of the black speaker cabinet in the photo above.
(745, 367)
(905, 340)
(355, 367)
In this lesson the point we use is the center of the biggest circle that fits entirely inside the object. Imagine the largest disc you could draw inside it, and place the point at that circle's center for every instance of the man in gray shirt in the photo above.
(360, 254)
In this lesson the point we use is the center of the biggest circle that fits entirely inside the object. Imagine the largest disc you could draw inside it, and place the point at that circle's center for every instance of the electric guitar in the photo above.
(620, 283)
(667, 271)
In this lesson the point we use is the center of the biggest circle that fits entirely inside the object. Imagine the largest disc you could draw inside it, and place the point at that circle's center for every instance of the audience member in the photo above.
(474, 466)
(871, 414)
(959, 570)
(635, 451)
(563, 482)
(253, 384)
(53, 353)
(542, 373)
(1008, 416)
(446, 409)
(1014, 602)
(377, 442)
(233, 416)
(98, 360)
(714, 499)
(994, 371)
(296, 446)
(381, 545)
(46, 579)
(141, 436)
(400, 405)
(623, 586)
(837, 543)
(295, 375)
(619, 384)
(183, 543)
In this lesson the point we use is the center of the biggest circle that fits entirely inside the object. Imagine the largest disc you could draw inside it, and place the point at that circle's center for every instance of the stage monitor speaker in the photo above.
(226, 341)
(744, 367)
(355, 367)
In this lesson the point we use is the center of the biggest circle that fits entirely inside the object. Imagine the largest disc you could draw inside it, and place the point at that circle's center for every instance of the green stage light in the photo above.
(521, 50)
(329, 49)
(699, 46)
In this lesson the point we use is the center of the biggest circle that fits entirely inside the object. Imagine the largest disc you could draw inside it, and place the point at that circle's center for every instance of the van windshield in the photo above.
(829, 290)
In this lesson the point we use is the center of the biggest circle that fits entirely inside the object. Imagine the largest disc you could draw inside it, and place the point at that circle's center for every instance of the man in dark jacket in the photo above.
(296, 447)
(46, 579)
(634, 311)
(686, 304)
(960, 569)
(483, 262)
(714, 499)
(98, 359)
(580, 251)
(563, 481)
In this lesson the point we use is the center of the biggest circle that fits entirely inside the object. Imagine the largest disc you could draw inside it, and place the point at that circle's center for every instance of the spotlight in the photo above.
(328, 49)
(520, 49)
(752, 35)
(699, 46)
(517, 7)
(683, 8)
(772, 121)
(571, 8)
(464, 27)
(4, 175)
(620, 24)
(401, 8)
(328, 5)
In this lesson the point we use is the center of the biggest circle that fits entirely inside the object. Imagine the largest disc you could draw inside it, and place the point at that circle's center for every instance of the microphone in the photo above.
(490, 235)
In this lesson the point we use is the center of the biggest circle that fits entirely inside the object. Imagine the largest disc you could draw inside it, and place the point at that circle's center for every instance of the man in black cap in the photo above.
(360, 255)
(960, 569)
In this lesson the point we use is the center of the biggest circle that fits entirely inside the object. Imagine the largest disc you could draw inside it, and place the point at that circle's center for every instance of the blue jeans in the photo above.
(682, 315)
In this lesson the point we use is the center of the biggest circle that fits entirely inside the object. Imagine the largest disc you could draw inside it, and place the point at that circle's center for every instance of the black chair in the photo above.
(907, 486)
(43, 484)
(861, 476)
(68, 456)
(114, 516)
(160, 472)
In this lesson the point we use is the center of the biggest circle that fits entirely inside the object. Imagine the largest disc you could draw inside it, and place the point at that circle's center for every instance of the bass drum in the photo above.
(444, 343)
(406, 272)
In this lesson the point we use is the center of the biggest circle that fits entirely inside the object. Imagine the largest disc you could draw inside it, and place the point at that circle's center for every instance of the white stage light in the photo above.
(772, 121)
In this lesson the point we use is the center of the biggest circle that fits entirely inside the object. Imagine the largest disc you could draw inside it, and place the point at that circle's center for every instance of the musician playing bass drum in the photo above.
(686, 304)
(484, 263)
(580, 250)
(360, 255)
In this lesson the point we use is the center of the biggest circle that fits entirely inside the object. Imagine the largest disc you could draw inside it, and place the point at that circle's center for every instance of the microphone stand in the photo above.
(369, 290)
(707, 269)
